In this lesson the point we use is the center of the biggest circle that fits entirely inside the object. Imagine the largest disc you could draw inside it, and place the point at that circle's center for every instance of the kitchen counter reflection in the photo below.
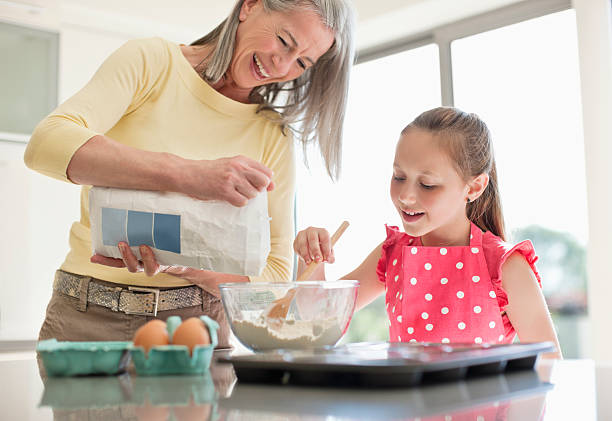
(555, 391)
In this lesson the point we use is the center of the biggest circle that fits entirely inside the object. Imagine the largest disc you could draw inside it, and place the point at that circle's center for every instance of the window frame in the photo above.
(444, 35)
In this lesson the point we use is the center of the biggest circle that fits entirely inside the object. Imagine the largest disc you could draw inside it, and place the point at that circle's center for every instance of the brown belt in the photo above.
(129, 299)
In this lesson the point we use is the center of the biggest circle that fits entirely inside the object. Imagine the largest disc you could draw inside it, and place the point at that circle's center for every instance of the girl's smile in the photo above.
(410, 217)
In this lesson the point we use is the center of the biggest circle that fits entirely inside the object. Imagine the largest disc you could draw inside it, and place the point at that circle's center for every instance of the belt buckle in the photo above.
(155, 292)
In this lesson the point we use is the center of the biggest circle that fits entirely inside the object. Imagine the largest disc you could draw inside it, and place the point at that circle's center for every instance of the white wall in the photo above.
(595, 50)
(36, 212)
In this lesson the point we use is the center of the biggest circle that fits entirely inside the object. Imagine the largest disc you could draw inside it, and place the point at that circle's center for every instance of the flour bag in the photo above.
(182, 231)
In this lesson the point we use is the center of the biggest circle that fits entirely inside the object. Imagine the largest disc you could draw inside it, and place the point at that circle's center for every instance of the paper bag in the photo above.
(182, 231)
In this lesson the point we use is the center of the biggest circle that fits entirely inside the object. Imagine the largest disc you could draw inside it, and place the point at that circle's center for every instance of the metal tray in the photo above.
(384, 364)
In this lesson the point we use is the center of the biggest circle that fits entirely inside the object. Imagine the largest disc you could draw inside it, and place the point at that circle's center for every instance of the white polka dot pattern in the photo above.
(473, 319)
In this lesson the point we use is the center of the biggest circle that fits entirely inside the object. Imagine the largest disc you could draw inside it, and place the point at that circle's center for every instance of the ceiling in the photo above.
(379, 21)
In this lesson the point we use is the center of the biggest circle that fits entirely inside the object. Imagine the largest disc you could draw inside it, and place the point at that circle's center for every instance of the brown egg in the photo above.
(151, 334)
(191, 332)
(192, 412)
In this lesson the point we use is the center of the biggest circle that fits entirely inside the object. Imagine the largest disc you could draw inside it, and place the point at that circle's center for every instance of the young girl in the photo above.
(450, 276)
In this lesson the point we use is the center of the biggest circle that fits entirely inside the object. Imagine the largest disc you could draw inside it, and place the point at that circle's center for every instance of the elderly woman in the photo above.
(213, 120)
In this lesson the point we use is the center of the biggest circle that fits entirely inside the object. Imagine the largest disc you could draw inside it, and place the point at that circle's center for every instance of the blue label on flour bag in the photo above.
(140, 228)
(161, 231)
(113, 226)
(167, 232)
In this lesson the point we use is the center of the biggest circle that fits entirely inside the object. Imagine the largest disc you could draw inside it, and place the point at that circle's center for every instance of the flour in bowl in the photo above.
(295, 334)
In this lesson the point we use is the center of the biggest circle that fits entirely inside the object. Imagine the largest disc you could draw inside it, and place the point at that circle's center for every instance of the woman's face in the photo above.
(276, 47)
(426, 189)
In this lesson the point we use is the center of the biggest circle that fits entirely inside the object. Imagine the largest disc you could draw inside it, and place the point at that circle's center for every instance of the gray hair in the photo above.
(313, 105)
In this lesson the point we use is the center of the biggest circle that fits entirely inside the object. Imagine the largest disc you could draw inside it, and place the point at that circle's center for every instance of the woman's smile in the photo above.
(258, 68)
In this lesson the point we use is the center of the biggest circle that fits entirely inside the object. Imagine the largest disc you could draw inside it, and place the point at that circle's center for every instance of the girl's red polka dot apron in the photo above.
(442, 294)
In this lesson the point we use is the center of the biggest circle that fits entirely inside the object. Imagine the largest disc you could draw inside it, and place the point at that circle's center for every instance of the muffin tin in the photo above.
(384, 364)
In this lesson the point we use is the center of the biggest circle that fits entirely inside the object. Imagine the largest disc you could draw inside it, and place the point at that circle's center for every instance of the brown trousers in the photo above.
(66, 322)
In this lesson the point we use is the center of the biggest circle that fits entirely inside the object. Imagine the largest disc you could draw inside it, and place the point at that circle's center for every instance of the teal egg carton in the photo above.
(175, 359)
(83, 358)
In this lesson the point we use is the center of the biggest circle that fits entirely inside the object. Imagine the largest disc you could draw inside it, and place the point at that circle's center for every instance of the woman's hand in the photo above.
(148, 264)
(235, 180)
(314, 244)
(205, 279)
(102, 161)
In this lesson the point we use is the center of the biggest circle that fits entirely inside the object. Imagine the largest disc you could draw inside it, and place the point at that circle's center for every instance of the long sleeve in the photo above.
(281, 202)
(120, 85)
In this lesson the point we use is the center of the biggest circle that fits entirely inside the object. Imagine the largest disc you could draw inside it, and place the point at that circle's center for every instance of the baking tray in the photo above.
(385, 364)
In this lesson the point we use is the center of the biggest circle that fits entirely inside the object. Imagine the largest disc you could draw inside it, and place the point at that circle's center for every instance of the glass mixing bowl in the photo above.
(318, 313)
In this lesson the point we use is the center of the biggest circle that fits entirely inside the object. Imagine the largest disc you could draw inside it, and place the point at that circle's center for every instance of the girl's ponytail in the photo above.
(467, 140)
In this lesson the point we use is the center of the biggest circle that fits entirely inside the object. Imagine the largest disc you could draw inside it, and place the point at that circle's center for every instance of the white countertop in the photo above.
(556, 390)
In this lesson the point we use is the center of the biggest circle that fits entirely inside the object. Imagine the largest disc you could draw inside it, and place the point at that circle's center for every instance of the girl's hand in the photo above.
(235, 180)
(314, 244)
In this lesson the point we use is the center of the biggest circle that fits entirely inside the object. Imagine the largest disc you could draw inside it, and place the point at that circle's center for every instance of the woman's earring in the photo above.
(468, 200)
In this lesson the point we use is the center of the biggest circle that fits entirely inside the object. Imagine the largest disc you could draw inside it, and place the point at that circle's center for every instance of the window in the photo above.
(28, 79)
(523, 80)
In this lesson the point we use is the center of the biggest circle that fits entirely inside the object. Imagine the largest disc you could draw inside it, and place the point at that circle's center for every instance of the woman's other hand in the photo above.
(235, 180)
(205, 279)
(314, 244)
(148, 264)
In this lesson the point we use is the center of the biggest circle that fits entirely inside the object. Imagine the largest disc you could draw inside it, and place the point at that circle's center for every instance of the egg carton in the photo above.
(175, 359)
(67, 358)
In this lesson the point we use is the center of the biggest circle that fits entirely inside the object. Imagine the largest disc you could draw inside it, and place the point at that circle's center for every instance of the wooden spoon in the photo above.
(278, 308)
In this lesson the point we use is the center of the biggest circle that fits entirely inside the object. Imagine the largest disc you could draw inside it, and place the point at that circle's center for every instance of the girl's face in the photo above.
(276, 47)
(426, 189)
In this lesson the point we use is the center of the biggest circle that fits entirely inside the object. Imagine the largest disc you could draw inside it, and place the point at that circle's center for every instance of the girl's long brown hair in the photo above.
(467, 140)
